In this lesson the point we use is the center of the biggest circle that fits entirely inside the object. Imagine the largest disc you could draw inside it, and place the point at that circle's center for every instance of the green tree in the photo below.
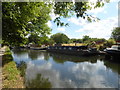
(116, 33)
(86, 38)
(34, 38)
(21, 18)
(109, 42)
(60, 38)
(67, 9)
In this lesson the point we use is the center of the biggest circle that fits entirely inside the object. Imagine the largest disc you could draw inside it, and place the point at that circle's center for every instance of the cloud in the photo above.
(114, 0)
(79, 21)
(52, 15)
(101, 29)
(61, 29)
(95, 79)
(49, 24)
(47, 71)
(97, 10)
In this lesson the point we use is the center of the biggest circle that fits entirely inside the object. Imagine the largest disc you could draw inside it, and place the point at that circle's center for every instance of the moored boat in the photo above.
(113, 52)
(38, 48)
(74, 50)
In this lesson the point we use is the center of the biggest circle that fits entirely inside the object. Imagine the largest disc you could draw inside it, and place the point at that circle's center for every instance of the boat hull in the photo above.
(38, 48)
(113, 55)
(79, 51)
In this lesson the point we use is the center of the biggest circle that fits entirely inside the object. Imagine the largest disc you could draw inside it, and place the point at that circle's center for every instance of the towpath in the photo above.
(2, 51)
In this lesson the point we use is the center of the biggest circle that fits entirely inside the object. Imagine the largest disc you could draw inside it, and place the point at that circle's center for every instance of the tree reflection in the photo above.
(112, 65)
(19, 51)
(38, 82)
(46, 56)
(35, 54)
(61, 58)
(22, 67)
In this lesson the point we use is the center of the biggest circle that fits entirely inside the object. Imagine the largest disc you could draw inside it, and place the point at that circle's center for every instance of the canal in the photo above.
(51, 70)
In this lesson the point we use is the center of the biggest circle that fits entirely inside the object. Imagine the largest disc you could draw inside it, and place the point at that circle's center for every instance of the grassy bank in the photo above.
(10, 74)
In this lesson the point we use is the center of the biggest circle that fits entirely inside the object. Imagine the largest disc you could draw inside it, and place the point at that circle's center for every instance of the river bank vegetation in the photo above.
(10, 74)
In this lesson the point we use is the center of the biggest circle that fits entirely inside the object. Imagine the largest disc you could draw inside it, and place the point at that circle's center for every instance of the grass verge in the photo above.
(10, 74)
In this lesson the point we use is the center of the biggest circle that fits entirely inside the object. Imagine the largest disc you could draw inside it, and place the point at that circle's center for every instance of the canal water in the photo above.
(42, 69)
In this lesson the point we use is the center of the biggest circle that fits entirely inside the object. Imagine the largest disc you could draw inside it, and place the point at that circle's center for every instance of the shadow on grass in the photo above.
(7, 57)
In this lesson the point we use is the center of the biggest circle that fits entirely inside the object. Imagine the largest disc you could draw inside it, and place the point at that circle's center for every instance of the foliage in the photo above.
(116, 33)
(109, 42)
(86, 38)
(1, 41)
(21, 18)
(67, 9)
(73, 40)
(60, 38)
(33, 38)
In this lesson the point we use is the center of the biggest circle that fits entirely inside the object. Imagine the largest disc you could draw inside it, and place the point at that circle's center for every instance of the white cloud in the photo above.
(93, 79)
(76, 21)
(101, 29)
(47, 71)
(61, 29)
(114, 0)
(97, 10)
(49, 24)
(52, 15)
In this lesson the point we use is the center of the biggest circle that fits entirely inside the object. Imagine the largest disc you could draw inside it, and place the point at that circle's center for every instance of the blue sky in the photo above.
(79, 27)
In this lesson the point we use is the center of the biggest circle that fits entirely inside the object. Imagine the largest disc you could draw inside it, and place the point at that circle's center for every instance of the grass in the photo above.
(10, 74)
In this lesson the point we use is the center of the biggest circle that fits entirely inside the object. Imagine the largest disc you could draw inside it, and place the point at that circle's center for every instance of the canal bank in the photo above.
(11, 77)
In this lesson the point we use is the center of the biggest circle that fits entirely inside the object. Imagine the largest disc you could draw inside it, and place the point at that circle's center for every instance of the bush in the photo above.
(109, 43)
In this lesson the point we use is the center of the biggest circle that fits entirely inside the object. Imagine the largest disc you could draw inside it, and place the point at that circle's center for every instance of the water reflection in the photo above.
(61, 58)
(34, 54)
(38, 82)
(63, 71)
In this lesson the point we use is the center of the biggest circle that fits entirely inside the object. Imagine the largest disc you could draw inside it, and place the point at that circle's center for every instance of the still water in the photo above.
(52, 70)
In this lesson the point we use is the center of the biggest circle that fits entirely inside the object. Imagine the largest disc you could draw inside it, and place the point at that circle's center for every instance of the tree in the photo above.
(86, 38)
(67, 9)
(109, 42)
(34, 38)
(23, 18)
(116, 33)
(60, 38)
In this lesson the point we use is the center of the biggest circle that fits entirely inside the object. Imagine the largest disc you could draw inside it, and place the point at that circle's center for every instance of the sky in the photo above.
(78, 27)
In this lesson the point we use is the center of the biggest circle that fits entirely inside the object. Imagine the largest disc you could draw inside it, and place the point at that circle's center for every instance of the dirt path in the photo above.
(2, 51)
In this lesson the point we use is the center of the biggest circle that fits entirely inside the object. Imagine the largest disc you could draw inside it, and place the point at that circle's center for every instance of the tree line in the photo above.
(61, 38)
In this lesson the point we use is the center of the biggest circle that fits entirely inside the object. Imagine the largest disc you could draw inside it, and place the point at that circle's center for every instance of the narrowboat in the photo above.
(38, 48)
(74, 50)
